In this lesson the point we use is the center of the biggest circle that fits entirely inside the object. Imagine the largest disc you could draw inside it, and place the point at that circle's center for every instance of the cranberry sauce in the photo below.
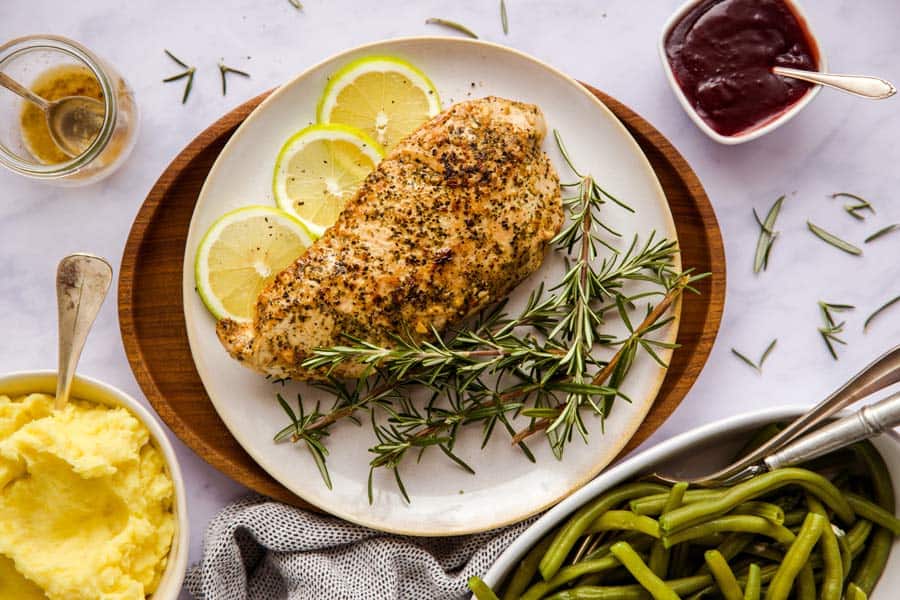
(722, 53)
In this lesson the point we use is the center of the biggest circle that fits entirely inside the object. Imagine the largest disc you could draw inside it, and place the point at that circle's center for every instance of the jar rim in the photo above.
(19, 46)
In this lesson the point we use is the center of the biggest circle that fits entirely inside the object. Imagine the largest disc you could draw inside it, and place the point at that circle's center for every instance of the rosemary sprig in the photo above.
(452, 25)
(188, 72)
(880, 310)
(224, 70)
(504, 18)
(538, 363)
(882, 232)
(298, 431)
(767, 236)
(762, 359)
(854, 210)
(833, 239)
(831, 328)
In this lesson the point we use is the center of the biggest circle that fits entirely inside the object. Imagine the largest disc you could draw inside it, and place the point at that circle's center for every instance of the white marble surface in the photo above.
(838, 143)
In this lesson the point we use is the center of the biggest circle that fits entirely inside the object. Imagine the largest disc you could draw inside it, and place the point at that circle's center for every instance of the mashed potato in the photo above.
(85, 502)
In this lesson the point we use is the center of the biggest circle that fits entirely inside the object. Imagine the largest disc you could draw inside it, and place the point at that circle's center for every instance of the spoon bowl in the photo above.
(74, 121)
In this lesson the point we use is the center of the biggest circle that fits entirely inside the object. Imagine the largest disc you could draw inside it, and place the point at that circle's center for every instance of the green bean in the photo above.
(794, 517)
(766, 510)
(638, 541)
(873, 512)
(570, 573)
(854, 593)
(846, 551)
(732, 523)
(723, 575)
(681, 587)
(753, 586)
(524, 573)
(619, 520)
(691, 514)
(481, 589)
(806, 583)
(654, 505)
(765, 551)
(631, 560)
(796, 557)
(659, 554)
(581, 520)
(678, 563)
(858, 535)
(875, 559)
(833, 567)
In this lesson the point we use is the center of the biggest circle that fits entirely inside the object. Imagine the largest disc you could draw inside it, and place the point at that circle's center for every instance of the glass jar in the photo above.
(30, 61)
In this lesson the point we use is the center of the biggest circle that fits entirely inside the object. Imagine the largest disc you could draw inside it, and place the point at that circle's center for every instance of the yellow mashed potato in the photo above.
(85, 503)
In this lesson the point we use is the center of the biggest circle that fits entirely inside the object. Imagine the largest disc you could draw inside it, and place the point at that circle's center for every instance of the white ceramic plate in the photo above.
(693, 453)
(445, 499)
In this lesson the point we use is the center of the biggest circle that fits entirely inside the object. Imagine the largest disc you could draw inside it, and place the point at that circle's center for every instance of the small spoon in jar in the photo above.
(82, 281)
(874, 88)
(73, 121)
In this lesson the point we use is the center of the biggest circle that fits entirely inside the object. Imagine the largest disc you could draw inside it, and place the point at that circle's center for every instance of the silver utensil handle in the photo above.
(881, 373)
(863, 424)
(82, 281)
(865, 86)
(19, 89)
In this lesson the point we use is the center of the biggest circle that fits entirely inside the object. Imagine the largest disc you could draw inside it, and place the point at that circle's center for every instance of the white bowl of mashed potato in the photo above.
(92, 501)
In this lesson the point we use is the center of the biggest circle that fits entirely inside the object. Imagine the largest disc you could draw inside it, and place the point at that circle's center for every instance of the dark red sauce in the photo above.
(722, 53)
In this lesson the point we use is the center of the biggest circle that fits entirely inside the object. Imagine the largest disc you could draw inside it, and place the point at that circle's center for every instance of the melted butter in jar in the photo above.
(53, 84)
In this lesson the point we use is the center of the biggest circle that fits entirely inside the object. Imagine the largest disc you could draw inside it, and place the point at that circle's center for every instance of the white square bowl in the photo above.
(764, 127)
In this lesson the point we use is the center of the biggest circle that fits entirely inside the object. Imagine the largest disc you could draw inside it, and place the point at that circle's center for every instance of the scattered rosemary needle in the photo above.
(833, 239)
(767, 236)
(189, 73)
(882, 231)
(224, 70)
(296, 4)
(831, 328)
(762, 359)
(452, 25)
(504, 18)
(880, 310)
(854, 209)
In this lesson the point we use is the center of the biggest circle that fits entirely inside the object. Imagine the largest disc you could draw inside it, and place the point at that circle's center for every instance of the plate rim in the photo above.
(615, 446)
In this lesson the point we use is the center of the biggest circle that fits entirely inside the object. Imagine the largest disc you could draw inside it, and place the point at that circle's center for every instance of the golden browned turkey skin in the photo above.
(456, 216)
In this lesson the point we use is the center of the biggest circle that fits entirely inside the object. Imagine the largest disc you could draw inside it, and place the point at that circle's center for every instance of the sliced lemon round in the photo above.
(319, 169)
(241, 253)
(384, 96)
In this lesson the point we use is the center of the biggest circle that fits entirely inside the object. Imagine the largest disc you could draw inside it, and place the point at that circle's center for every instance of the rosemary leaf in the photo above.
(854, 209)
(762, 359)
(879, 310)
(176, 59)
(504, 18)
(767, 236)
(224, 70)
(747, 360)
(296, 4)
(767, 352)
(188, 86)
(881, 232)
(832, 239)
(830, 330)
(452, 25)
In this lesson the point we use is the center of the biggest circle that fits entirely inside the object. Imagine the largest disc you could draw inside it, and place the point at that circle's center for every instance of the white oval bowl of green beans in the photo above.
(823, 531)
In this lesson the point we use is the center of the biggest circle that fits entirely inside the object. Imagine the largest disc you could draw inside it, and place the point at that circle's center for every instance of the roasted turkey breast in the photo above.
(456, 216)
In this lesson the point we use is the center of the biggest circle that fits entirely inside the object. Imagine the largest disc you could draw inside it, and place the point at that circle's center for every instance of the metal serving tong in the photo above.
(811, 435)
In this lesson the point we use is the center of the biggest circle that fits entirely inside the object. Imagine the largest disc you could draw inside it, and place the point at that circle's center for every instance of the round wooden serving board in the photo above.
(151, 316)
